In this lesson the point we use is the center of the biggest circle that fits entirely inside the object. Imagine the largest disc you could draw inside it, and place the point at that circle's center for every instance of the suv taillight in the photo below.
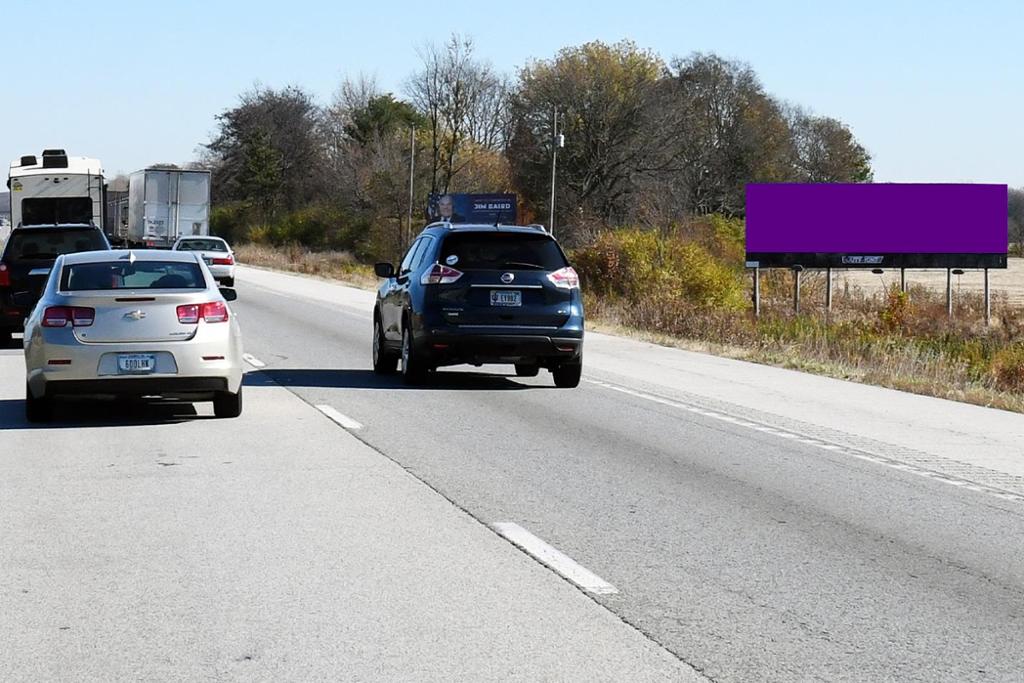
(440, 275)
(212, 312)
(227, 261)
(565, 278)
(5, 276)
(60, 316)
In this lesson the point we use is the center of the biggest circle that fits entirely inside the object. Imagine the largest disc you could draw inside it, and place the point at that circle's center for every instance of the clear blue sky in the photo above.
(932, 89)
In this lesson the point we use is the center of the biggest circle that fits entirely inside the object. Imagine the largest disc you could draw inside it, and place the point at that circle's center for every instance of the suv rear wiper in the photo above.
(524, 265)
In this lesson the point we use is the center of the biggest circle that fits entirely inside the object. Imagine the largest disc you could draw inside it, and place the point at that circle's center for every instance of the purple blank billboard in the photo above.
(877, 225)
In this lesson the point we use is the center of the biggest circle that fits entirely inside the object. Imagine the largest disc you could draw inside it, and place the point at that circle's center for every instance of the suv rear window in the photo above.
(47, 243)
(501, 251)
(56, 210)
(127, 275)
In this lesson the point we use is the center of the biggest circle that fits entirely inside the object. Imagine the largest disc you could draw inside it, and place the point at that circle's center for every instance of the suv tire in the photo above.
(414, 370)
(568, 376)
(384, 361)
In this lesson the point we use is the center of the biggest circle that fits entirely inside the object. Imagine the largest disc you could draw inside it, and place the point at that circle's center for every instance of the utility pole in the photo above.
(412, 170)
(557, 140)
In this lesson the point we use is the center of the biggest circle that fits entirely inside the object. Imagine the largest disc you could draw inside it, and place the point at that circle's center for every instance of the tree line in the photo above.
(648, 142)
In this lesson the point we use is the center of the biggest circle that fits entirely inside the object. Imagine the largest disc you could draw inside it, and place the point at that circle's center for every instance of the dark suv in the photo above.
(480, 294)
(25, 265)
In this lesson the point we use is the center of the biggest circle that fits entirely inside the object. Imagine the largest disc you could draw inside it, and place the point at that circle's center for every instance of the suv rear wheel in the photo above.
(384, 361)
(414, 370)
(568, 376)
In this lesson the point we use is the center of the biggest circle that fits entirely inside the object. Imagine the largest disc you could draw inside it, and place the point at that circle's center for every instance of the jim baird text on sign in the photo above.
(896, 225)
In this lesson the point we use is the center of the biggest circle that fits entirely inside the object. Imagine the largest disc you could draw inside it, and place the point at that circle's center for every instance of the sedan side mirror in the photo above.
(384, 270)
(228, 293)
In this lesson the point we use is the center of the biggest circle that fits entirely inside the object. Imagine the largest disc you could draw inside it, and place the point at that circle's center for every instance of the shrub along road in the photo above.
(759, 524)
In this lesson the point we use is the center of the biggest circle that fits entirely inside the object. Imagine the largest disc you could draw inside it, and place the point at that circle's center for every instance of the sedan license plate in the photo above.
(136, 363)
(506, 297)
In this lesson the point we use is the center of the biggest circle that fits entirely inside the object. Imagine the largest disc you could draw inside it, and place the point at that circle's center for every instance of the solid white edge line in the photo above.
(554, 559)
(913, 469)
(253, 360)
(343, 420)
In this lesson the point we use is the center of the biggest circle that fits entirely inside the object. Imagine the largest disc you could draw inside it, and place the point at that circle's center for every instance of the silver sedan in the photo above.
(133, 324)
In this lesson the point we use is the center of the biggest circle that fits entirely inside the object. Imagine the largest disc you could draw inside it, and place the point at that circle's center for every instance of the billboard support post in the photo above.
(757, 292)
(828, 289)
(949, 293)
(903, 280)
(796, 288)
(988, 302)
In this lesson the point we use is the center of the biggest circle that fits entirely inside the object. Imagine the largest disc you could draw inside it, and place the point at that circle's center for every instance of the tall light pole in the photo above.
(557, 140)
(412, 170)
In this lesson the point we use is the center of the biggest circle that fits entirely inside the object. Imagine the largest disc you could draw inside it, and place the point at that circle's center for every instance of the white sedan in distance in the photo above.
(217, 254)
(133, 324)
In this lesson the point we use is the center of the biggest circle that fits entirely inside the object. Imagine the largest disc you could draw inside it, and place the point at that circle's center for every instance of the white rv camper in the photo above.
(56, 190)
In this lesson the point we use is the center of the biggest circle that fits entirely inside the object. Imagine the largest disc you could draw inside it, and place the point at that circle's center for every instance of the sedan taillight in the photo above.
(228, 261)
(565, 278)
(212, 312)
(60, 316)
(440, 275)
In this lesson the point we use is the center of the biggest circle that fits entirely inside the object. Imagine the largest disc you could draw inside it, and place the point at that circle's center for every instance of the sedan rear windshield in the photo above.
(501, 251)
(127, 275)
(47, 243)
(202, 245)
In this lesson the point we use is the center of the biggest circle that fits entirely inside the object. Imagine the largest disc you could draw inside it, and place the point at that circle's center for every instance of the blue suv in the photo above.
(480, 294)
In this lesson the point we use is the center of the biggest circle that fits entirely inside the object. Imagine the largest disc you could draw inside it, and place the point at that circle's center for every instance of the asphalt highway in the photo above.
(749, 523)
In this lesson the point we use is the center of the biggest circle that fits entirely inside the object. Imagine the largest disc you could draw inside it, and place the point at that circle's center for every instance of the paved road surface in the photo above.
(758, 524)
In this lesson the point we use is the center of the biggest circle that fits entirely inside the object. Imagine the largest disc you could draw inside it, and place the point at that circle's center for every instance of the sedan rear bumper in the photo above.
(138, 386)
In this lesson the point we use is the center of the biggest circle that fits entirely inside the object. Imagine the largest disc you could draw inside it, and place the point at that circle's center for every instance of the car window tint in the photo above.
(423, 252)
(501, 251)
(36, 243)
(202, 245)
(137, 275)
(410, 256)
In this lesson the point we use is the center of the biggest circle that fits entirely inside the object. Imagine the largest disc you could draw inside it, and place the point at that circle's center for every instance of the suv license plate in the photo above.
(506, 297)
(136, 363)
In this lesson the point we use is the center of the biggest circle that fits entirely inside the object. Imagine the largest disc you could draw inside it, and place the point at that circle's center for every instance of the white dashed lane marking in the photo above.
(554, 559)
(253, 360)
(343, 420)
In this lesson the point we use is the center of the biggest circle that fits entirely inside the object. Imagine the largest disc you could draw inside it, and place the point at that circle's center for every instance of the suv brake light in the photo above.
(5, 276)
(565, 278)
(60, 316)
(440, 275)
(211, 312)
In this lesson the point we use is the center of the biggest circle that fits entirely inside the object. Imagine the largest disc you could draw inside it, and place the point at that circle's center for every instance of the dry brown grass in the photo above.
(336, 265)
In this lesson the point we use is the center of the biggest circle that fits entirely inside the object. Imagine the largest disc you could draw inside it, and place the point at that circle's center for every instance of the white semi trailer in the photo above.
(56, 190)
(165, 204)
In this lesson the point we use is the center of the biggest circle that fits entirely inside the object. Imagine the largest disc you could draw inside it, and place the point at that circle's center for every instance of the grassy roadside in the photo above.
(896, 341)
